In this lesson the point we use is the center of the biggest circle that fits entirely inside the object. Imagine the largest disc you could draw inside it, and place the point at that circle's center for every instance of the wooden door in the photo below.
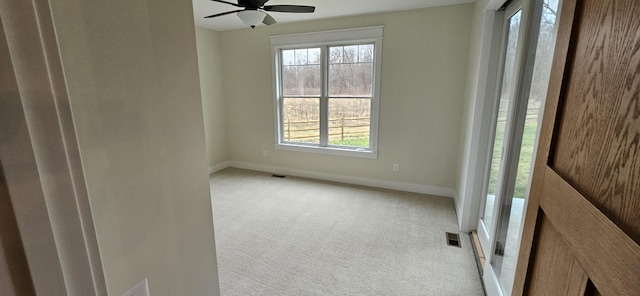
(582, 228)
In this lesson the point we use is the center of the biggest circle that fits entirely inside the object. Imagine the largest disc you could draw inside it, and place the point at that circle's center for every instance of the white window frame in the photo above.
(370, 35)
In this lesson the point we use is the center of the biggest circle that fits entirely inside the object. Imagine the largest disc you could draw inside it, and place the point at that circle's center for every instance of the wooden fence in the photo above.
(310, 130)
(532, 115)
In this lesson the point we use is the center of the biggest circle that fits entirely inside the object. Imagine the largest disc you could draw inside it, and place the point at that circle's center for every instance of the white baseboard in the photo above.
(219, 167)
(409, 187)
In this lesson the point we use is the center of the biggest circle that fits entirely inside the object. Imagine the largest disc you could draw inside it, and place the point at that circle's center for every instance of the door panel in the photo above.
(608, 255)
(597, 140)
(582, 226)
(554, 256)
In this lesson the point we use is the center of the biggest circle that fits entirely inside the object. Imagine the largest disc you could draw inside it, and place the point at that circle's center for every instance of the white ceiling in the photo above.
(324, 9)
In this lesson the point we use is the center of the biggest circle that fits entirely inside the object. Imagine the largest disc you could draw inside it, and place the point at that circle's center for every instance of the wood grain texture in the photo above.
(608, 255)
(598, 142)
(478, 248)
(555, 268)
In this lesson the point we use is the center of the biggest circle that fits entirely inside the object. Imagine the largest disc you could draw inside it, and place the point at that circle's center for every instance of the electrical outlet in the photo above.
(264, 153)
(140, 289)
(396, 167)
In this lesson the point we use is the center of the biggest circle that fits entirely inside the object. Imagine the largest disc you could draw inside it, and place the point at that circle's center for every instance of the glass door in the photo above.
(508, 22)
(511, 32)
(528, 38)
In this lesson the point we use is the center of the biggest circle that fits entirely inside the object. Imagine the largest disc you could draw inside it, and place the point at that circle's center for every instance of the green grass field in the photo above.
(359, 141)
(524, 164)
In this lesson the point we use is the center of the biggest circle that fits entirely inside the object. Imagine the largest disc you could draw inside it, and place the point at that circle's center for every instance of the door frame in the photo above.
(41, 159)
(488, 237)
(524, 62)
(471, 184)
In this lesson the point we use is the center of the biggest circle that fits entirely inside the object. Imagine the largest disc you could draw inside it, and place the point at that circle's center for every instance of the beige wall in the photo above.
(132, 76)
(213, 105)
(14, 270)
(424, 67)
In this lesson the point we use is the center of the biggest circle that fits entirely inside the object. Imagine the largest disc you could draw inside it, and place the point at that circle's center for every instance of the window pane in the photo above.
(335, 54)
(288, 57)
(301, 72)
(366, 53)
(301, 56)
(350, 54)
(503, 108)
(349, 77)
(301, 120)
(314, 56)
(349, 121)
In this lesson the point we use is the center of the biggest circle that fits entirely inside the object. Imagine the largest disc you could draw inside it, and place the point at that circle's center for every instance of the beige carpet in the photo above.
(297, 236)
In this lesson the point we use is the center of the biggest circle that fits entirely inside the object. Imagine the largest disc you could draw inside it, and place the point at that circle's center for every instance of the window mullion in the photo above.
(280, 97)
(324, 100)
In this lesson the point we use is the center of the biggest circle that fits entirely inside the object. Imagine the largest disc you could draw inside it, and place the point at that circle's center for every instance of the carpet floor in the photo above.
(296, 236)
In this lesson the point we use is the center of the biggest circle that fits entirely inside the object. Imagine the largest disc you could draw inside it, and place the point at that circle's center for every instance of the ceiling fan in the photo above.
(254, 11)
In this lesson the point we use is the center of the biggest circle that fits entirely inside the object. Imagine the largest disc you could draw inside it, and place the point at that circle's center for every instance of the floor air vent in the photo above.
(279, 176)
(453, 239)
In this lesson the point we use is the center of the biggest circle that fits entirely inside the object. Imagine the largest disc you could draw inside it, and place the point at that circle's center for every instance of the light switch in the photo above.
(139, 289)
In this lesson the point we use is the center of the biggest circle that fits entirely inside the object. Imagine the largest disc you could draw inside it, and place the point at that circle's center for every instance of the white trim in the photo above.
(485, 239)
(323, 99)
(328, 150)
(375, 104)
(408, 187)
(219, 167)
(41, 158)
(479, 132)
(487, 232)
(277, 104)
(490, 280)
(328, 37)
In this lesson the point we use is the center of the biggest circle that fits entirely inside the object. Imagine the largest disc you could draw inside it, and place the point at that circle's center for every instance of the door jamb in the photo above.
(495, 83)
(481, 96)
(41, 158)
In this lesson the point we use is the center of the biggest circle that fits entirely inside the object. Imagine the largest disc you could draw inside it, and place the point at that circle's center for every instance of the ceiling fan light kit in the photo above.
(251, 18)
(254, 11)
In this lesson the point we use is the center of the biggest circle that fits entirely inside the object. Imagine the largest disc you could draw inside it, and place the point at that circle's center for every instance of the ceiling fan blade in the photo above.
(268, 20)
(289, 8)
(224, 13)
(226, 2)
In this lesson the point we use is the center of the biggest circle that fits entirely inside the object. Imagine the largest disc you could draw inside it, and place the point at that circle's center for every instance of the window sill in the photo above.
(328, 150)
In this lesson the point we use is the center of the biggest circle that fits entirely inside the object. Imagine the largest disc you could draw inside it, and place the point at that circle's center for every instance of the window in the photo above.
(327, 91)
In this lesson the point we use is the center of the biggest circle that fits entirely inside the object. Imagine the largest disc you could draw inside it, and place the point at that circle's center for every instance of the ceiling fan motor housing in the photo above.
(254, 11)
